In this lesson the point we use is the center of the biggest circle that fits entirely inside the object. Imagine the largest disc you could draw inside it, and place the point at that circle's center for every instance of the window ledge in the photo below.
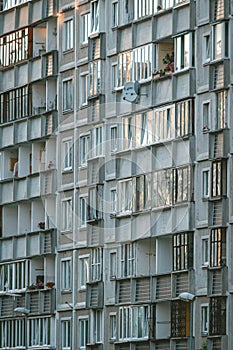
(67, 171)
(66, 291)
(66, 52)
(141, 19)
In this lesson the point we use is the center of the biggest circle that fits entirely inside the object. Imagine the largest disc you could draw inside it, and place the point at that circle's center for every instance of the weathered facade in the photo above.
(115, 166)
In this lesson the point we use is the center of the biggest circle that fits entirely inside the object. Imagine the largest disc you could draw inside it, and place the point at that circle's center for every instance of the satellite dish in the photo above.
(131, 91)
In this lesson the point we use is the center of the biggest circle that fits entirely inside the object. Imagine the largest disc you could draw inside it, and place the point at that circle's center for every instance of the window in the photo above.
(85, 28)
(183, 51)
(113, 199)
(39, 329)
(204, 318)
(180, 317)
(113, 264)
(68, 154)
(114, 139)
(83, 211)
(84, 149)
(95, 203)
(135, 65)
(68, 35)
(94, 78)
(217, 320)
(9, 3)
(127, 260)
(206, 116)
(164, 124)
(67, 211)
(83, 271)
(14, 104)
(96, 264)
(142, 192)
(133, 322)
(65, 334)
(220, 39)
(125, 196)
(143, 129)
(67, 95)
(12, 333)
(66, 274)
(14, 275)
(97, 326)
(162, 188)
(83, 332)
(112, 326)
(182, 184)
(221, 110)
(184, 120)
(114, 76)
(217, 178)
(142, 8)
(83, 89)
(205, 252)
(206, 56)
(217, 247)
(97, 141)
(15, 47)
(182, 251)
(95, 16)
(128, 132)
(115, 14)
(162, 5)
(205, 183)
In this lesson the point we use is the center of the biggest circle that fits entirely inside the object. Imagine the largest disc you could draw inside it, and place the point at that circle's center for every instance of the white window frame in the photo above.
(112, 325)
(84, 268)
(162, 5)
(12, 333)
(66, 331)
(127, 259)
(96, 264)
(205, 319)
(85, 28)
(68, 34)
(183, 51)
(205, 246)
(66, 274)
(39, 335)
(83, 210)
(115, 14)
(206, 48)
(67, 214)
(82, 337)
(142, 8)
(97, 141)
(113, 264)
(114, 76)
(95, 74)
(67, 101)
(125, 200)
(17, 275)
(84, 88)
(129, 322)
(84, 149)
(114, 138)
(206, 116)
(113, 200)
(97, 326)
(95, 16)
(219, 53)
(206, 183)
(67, 146)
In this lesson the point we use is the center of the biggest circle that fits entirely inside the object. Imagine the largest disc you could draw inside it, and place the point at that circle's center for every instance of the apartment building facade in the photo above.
(115, 167)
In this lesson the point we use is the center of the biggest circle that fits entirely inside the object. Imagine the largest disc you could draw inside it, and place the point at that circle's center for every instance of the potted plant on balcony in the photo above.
(41, 225)
(31, 287)
(50, 284)
(168, 60)
(40, 285)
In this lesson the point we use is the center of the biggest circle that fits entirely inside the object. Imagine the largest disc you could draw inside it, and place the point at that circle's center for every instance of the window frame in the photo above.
(67, 214)
(205, 183)
(67, 88)
(205, 319)
(68, 35)
(182, 43)
(66, 333)
(84, 271)
(96, 264)
(85, 28)
(67, 148)
(127, 260)
(84, 149)
(182, 251)
(66, 274)
(83, 338)
(83, 200)
(95, 17)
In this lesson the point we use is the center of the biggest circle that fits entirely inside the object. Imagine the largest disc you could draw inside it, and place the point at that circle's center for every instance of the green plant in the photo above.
(204, 346)
(168, 60)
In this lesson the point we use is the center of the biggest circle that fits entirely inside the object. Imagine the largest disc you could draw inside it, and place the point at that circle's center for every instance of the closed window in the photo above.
(12, 334)
(164, 124)
(97, 326)
(114, 139)
(142, 8)
(67, 212)
(84, 149)
(66, 274)
(143, 128)
(113, 264)
(133, 322)
(112, 326)
(127, 260)
(206, 48)
(205, 183)
(217, 319)
(85, 28)
(162, 188)
(128, 132)
(95, 203)
(67, 95)
(220, 41)
(83, 89)
(94, 78)
(40, 329)
(68, 35)
(217, 247)
(182, 251)
(115, 14)
(83, 211)
(206, 116)
(113, 200)
(142, 192)
(83, 332)
(65, 334)
(204, 318)
(221, 110)
(97, 141)
(205, 251)
(96, 264)
(125, 196)
(162, 5)
(67, 154)
(14, 275)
